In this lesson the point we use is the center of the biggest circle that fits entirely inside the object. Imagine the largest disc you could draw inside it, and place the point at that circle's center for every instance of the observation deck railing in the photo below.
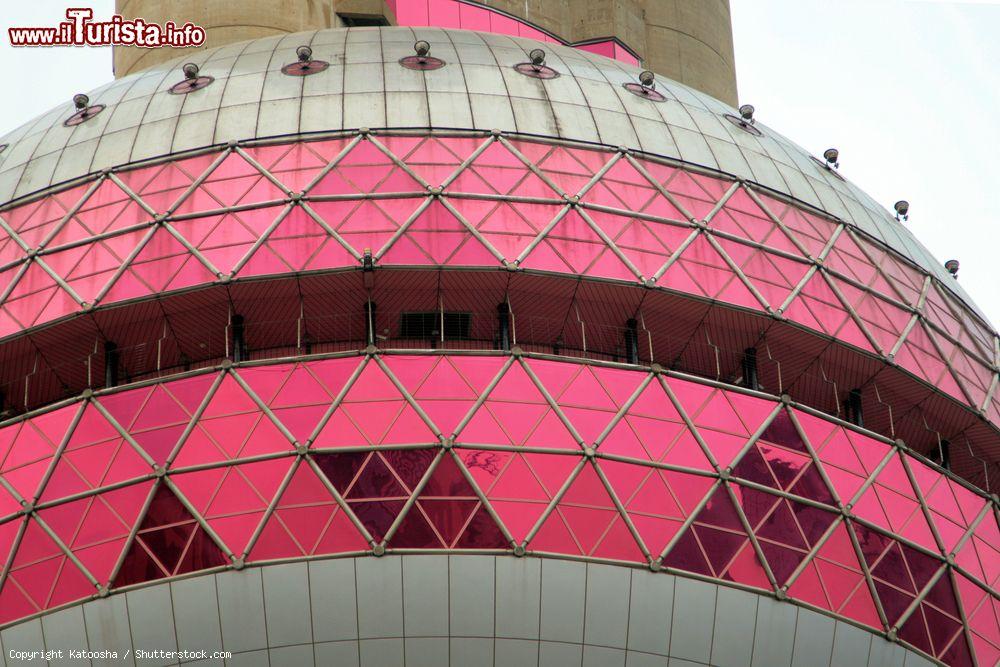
(166, 353)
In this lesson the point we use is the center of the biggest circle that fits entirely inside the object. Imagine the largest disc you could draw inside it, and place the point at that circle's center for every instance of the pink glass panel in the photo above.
(252, 453)
(611, 49)
(109, 227)
(982, 612)
(468, 16)
(717, 545)
(168, 542)
(460, 496)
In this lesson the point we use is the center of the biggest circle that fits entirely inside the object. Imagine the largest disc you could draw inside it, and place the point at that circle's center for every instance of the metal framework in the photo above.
(229, 215)
(360, 342)
(413, 452)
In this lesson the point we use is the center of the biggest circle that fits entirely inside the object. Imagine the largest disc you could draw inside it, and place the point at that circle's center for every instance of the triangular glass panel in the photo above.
(168, 536)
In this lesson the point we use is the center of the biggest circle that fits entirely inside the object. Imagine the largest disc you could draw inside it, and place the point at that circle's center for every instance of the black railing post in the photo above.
(944, 452)
(111, 364)
(750, 379)
(239, 338)
(370, 322)
(632, 341)
(852, 408)
(503, 321)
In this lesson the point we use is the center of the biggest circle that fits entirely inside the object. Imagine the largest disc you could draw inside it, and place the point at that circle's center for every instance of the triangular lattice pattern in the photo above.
(395, 452)
(485, 202)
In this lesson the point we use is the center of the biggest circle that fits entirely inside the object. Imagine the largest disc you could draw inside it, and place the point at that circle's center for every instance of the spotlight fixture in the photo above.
(84, 110)
(745, 121)
(646, 87)
(902, 210)
(832, 157)
(423, 60)
(536, 69)
(192, 80)
(952, 267)
(304, 65)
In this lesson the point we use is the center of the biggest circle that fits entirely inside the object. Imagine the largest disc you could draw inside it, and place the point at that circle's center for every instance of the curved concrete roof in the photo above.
(478, 89)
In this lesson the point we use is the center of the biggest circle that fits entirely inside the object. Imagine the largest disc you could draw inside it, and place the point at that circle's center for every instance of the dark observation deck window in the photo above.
(363, 20)
(428, 325)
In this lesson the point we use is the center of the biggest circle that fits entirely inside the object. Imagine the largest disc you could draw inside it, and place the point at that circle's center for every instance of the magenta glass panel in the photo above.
(569, 169)
(936, 626)
(981, 554)
(232, 183)
(96, 528)
(834, 580)
(161, 186)
(109, 228)
(586, 521)
(572, 246)
(921, 354)
(233, 499)
(606, 49)
(469, 16)
(307, 521)
(517, 468)
(449, 506)
(296, 396)
(29, 447)
(624, 187)
(907, 282)
(944, 314)
(169, 541)
(498, 171)
(518, 486)
(809, 230)
(982, 612)
(375, 486)
(848, 257)
(42, 573)
(365, 169)
(891, 504)
(786, 530)
(971, 373)
(36, 298)
(35, 221)
(716, 544)
(819, 307)
(236, 485)
(848, 458)
(107, 209)
(899, 572)
(438, 238)
(953, 508)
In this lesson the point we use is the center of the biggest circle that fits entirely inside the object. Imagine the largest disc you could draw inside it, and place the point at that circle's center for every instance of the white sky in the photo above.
(908, 90)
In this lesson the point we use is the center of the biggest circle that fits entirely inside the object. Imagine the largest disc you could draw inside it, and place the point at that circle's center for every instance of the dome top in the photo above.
(478, 88)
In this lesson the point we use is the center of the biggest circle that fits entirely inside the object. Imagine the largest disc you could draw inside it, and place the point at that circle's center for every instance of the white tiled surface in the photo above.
(462, 610)
(366, 87)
